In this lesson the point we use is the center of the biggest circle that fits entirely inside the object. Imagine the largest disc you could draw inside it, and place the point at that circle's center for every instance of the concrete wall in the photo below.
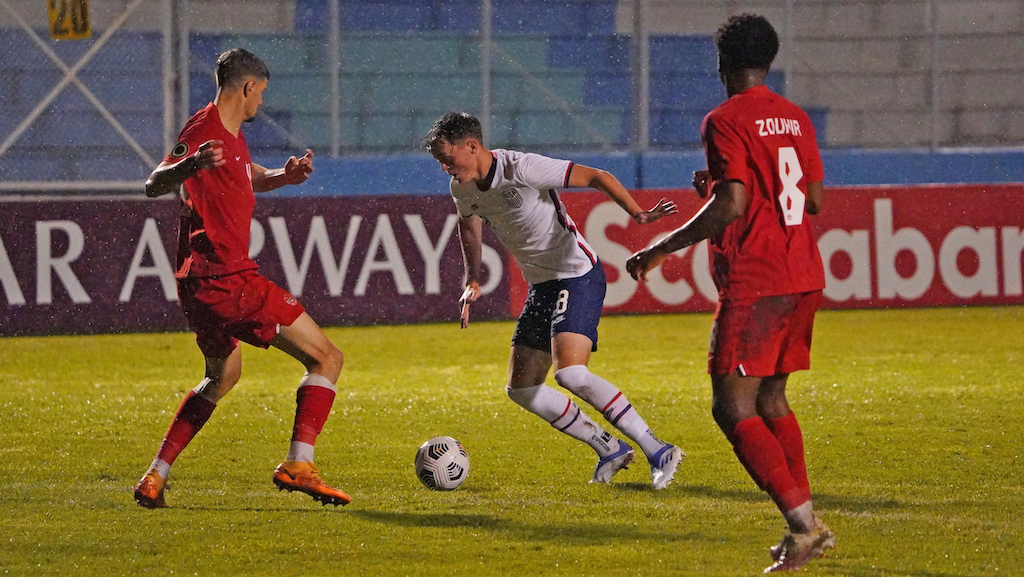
(877, 68)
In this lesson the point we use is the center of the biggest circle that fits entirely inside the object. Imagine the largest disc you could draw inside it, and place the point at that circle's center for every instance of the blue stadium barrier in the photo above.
(418, 173)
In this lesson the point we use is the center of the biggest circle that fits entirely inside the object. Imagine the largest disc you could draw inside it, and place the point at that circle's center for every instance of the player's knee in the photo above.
(336, 358)
(213, 389)
(328, 362)
(523, 396)
(572, 378)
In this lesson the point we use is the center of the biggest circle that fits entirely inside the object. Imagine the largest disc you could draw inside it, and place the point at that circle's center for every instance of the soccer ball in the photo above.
(442, 464)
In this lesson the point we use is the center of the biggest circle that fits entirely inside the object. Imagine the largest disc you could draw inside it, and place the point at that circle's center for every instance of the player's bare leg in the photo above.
(304, 341)
(571, 353)
(221, 375)
(528, 369)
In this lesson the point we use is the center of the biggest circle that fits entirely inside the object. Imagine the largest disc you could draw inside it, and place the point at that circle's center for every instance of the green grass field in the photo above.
(912, 419)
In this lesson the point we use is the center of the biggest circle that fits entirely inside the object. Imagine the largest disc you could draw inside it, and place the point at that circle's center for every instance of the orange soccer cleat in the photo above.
(150, 491)
(304, 477)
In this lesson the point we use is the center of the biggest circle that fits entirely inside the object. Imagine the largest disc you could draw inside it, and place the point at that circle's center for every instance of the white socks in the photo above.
(161, 467)
(563, 414)
(802, 515)
(299, 451)
(608, 399)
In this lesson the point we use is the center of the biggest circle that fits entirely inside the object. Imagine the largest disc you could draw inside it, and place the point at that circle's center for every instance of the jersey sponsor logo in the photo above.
(777, 126)
(290, 300)
(512, 197)
(180, 150)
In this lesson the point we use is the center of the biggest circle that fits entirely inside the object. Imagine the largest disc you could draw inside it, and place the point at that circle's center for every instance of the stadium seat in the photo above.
(595, 53)
(542, 16)
(19, 52)
(313, 130)
(512, 92)
(683, 54)
(283, 53)
(675, 127)
(512, 53)
(388, 132)
(404, 53)
(697, 91)
(304, 92)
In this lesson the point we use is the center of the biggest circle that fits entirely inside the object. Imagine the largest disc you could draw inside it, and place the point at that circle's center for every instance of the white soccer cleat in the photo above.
(664, 464)
(617, 461)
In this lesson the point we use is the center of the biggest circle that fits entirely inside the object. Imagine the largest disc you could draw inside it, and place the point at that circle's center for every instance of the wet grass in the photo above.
(912, 421)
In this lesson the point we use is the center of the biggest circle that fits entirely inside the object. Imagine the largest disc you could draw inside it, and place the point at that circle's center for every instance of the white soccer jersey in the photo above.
(523, 209)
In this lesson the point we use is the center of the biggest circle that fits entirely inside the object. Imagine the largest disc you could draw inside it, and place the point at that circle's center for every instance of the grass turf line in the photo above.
(912, 420)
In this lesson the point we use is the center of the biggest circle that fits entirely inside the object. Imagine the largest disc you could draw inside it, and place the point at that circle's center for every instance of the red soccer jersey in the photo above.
(213, 238)
(766, 142)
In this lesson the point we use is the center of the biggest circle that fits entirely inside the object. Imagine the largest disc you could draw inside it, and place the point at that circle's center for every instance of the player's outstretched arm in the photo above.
(587, 177)
(168, 176)
(294, 171)
(728, 202)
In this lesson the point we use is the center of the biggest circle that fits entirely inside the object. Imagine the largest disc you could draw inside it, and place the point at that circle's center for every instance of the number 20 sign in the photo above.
(69, 19)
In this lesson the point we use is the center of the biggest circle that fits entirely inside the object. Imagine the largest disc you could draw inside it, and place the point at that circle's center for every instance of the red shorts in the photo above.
(244, 306)
(764, 336)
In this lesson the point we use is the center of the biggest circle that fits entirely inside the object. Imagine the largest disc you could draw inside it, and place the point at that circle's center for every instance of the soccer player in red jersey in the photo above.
(764, 177)
(221, 292)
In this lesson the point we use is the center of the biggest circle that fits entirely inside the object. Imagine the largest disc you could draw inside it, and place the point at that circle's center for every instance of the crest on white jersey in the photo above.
(512, 197)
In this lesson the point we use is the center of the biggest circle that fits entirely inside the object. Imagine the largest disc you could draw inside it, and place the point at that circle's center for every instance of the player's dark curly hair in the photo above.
(748, 41)
(236, 65)
(453, 127)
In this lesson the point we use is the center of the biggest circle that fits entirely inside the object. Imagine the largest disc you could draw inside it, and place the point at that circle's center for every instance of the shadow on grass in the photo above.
(821, 500)
(857, 504)
(432, 519)
(582, 533)
(751, 496)
(875, 571)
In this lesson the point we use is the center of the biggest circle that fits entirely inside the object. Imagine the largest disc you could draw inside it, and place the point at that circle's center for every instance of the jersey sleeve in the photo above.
(725, 150)
(191, 138)
(461, 205)
(543, 173)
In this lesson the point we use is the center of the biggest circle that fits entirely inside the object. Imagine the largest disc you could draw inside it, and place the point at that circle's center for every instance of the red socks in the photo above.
(766, 461)
(193, 413)
(787, 431)
(314, 404)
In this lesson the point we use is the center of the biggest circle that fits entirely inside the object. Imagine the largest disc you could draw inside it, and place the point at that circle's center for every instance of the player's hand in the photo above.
(642, 262)
(702, 182)
(297, 170)
(470, 295)
(664, 208)
(209, 155)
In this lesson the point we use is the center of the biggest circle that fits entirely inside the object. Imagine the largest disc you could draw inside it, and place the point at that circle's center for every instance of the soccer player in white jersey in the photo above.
(515, 194)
